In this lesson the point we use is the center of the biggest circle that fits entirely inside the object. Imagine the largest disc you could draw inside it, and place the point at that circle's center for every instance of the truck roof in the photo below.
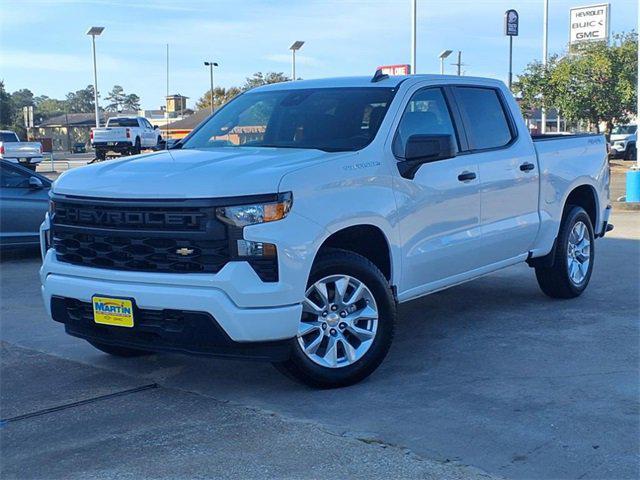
(362, 81)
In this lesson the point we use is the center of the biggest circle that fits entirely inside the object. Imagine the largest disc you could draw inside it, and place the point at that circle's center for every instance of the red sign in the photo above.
(395, 69)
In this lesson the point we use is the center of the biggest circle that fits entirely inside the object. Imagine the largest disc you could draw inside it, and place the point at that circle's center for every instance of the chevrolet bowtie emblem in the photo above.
(184, 251)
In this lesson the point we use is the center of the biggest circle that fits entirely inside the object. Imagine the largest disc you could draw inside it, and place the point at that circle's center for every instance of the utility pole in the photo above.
(459, 63)
(414, 15)
(545, 53)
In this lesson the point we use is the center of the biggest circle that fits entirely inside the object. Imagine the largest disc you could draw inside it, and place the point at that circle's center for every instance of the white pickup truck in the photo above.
(289, 225)
(125, 136)
(27, 154)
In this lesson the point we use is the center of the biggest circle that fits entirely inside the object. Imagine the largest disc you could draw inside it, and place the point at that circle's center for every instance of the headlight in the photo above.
(243, 215)
(52, 208)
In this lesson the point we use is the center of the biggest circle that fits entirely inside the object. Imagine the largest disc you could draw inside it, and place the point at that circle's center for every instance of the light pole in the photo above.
(211, 65)
(297, 45)
(414, 14)
(94, 32)
(545, 53)
(444, 54)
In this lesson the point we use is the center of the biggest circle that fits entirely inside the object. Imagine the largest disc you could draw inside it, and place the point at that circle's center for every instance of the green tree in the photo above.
(131, 102)
(116, 98)
(6, 108)
(20, 99)
(221, 96)
(46, 107)
(80, 101)
(595, 82)
(258, 79)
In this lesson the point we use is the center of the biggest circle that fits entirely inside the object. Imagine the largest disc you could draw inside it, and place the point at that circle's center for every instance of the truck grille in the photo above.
(177, 236)
(146, 253)
(137, 236)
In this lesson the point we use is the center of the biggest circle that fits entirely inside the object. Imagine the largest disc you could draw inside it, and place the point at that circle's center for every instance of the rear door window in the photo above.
(485, 119)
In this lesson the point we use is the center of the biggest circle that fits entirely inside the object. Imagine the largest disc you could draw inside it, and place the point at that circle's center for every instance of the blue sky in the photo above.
(43, 45)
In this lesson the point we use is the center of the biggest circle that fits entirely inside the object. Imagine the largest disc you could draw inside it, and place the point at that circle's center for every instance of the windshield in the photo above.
(7, 137)
(624, 130)
(330, 119)
(122, 122)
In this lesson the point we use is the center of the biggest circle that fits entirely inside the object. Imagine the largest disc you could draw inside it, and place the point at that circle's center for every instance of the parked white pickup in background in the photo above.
(27, 154)
(125, 136)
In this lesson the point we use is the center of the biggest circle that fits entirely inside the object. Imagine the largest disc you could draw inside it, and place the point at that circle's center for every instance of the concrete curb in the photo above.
(626, 206)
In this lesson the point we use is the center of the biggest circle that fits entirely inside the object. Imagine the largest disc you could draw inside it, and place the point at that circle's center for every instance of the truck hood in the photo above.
(205, 173)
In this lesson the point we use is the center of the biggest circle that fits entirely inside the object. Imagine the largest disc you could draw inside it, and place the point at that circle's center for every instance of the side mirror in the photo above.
(422, 149)
(35, 183)
(155, 127)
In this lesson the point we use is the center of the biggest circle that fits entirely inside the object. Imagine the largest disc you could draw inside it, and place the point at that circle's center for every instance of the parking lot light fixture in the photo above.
(211, 65)
(444, 54)
(95, 32)
(297, 45)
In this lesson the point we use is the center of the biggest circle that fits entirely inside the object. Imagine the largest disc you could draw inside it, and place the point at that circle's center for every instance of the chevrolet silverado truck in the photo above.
(27, 154)
(124, 136)
(289, 225)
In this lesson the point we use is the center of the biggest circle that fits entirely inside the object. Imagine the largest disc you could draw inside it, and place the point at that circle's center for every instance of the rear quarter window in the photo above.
(486, 121)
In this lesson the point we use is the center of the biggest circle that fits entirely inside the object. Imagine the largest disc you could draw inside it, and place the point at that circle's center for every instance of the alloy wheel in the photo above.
(339, 321)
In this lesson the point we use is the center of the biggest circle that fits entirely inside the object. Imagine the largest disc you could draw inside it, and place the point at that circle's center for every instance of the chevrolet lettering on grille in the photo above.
(120, 218)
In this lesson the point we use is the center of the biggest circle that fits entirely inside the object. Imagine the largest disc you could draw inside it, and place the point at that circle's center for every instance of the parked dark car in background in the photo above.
(79, 148)
(24, 200)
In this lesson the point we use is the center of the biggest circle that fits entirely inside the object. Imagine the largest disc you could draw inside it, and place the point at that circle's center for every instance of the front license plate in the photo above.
(113, 311)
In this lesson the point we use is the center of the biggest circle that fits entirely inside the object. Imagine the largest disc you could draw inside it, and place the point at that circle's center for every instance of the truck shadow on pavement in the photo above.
(491, 373)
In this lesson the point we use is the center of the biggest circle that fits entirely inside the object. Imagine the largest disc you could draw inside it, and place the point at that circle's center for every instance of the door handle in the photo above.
(526, 167)
(466, 176)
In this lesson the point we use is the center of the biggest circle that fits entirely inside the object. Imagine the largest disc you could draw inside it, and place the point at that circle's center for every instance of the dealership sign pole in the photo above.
(511, 21)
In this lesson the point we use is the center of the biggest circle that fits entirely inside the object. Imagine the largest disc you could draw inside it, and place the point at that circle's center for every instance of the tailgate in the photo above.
(21, 149)
(110, 134)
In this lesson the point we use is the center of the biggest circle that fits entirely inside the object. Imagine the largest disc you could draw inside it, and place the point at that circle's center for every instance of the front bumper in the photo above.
(248, 310)
(183, 331)
(112, 146)
(25, 160)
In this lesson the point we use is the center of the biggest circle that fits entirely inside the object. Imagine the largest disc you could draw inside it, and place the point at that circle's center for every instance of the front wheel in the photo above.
(571, 271)
(347, 322)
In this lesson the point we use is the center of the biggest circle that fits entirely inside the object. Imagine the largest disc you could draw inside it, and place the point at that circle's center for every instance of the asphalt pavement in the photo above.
(490, 376)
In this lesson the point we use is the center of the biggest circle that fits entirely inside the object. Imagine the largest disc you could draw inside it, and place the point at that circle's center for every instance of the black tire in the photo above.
(101, 155)
(119, 351)
(555, 281)
(137, 148)
(631, 152)
(30, 166)
(302, 368)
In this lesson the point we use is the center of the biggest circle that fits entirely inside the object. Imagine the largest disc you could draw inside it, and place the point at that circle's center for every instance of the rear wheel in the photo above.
(347, 322)
(101, 155)
(137, 148)
(119, 351)
(31, 166)
(571, 271)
